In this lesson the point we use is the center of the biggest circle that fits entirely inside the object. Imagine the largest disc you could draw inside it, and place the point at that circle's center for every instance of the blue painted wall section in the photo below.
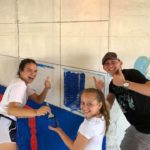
(73, 84)
(142, 64)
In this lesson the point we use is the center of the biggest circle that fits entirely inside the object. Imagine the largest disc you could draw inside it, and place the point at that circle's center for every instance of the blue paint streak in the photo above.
(142, 64)
(45, 66)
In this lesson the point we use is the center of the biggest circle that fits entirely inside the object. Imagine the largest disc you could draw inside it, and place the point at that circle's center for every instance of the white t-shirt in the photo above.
(94, 130)
(18, 92)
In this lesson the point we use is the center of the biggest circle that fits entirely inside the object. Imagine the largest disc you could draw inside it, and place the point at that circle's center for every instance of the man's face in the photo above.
(111, 66)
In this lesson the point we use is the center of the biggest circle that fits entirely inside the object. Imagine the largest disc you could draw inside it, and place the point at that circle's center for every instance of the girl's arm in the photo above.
(39, 98)
(78, 144)
(15, 109)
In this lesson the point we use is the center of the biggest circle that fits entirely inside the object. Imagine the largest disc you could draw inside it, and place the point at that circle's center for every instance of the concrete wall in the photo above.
(74, 33)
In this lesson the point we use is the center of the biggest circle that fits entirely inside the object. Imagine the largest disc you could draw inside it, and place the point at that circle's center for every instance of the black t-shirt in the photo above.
(135, 106)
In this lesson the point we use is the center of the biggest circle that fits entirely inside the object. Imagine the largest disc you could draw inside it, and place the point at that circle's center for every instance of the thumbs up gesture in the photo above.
(118, 78)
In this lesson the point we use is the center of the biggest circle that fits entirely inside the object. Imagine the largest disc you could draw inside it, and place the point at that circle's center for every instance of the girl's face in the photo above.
(89, 105)
(29, 72)
(112, 66)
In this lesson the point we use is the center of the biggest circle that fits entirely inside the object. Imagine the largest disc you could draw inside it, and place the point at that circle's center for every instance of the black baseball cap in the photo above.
(109, 55)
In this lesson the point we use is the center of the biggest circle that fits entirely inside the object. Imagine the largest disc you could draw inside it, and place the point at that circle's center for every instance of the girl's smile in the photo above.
(89, 105)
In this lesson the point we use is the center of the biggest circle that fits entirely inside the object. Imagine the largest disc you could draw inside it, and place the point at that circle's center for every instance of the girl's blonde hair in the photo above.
(100, 98)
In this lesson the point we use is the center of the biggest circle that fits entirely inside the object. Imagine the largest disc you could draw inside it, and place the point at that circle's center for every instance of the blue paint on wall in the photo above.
(45, 66)
(142, 63)
(73, 85)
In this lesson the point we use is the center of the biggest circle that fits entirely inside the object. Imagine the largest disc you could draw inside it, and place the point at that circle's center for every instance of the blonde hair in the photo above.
(101, 99)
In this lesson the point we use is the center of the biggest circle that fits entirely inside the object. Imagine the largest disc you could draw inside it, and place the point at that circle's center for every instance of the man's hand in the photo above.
(99, 84)
(118, 78)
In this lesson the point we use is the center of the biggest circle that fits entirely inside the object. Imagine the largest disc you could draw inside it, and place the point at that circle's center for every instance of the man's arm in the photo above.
(99, 84)
(110, 100)
(142, 88)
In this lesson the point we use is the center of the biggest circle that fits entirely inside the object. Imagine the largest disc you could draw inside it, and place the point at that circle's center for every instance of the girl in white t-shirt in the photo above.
(14, 98)
(96, 122)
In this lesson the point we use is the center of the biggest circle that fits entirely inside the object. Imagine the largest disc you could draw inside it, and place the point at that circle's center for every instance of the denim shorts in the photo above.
(135, 140)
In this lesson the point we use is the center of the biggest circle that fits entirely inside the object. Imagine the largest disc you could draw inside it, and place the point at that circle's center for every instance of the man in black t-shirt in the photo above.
(132, 91)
